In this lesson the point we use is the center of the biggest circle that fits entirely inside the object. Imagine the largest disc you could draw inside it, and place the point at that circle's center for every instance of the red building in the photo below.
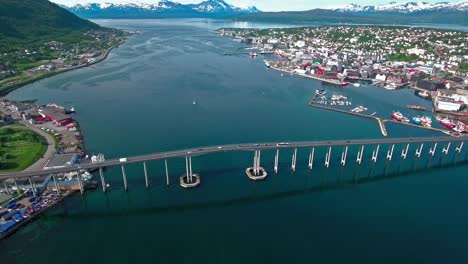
(56, 115)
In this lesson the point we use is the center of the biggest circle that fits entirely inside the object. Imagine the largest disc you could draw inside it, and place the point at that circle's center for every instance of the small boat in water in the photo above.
(416, 120)
(447, 123)
(416, 107)
(391, 86)
(253, 54)
(356, 84)
(398, 116)
(194, 102)
(424, 94)
(267, 64)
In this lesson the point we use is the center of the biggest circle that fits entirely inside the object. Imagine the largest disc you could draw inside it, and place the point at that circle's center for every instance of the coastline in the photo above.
(10, 88)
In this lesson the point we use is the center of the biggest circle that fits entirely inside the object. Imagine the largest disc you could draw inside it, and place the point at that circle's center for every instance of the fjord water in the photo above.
(140, 101)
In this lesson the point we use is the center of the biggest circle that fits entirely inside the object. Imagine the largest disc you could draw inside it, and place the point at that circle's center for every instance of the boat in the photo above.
(356, 84)
(424, 94)
(320, 91)
(267, 64)
(194, 102)
(447, 123)
(253, 54)
(426, 121)
(397, 116)
(391, 86)
(373, 114)
(416, 107)
(343, 84)
(416, 120)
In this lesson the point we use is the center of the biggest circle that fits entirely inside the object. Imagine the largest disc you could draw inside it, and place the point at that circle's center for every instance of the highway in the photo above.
(232, 148)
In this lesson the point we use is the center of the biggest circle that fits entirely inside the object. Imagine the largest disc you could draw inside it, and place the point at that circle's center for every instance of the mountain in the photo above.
(30, 19)
(407, 8)
(392, 13)
(160, 9)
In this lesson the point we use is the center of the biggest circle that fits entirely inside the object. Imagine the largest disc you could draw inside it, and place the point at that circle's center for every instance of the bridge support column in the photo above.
(276, 161)
(375, 153)
(293, 162)
(6, 187)
(167, 172)
(390, 152)
(124, 176)
(359, 155)
(145, 170)
(404, 152)
(419, 150)
(16, 185)
(32, 186)
(80, 183)
(256, 172)
(432, 150)
(57, 186)
(311, 158)
(187, 180)
(344, 154)
(327, 157)
(446, 149)
(459, 148)
(103, 181)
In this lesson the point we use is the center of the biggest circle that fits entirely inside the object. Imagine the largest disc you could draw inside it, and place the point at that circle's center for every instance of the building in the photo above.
(56, 115)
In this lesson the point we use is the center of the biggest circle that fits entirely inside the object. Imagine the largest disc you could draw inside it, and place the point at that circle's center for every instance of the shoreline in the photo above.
(34, 216)
(12, 87)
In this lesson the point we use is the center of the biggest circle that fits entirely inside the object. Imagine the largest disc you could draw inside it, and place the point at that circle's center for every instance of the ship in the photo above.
(426, 121)
(416, 120)
(416, 107)
(447, 123)
(267, 64)
(399, 117)
(424, 94)
(253, 54)
(356, 84)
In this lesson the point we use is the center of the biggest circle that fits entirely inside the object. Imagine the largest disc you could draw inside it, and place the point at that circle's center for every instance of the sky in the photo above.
(264, 5)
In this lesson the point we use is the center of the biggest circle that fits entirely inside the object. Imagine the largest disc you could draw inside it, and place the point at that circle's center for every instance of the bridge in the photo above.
(256, 172)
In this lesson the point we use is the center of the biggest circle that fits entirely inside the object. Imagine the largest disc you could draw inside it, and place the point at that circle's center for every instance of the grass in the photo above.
(27, 66)
(20, 148)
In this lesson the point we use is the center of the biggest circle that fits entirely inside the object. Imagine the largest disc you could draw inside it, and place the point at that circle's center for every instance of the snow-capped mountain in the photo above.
(161, 8)
(409, 7)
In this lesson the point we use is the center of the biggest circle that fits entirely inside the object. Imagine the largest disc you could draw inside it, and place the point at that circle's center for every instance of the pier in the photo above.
(380, 121)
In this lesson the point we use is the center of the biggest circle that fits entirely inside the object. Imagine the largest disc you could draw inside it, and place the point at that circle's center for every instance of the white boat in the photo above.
(356, 84)
(424, 94)
(194, 102)
(391, 86)
(267, 64)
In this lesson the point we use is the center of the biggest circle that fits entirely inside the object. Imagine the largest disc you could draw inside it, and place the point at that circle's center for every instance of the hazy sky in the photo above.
(264, 5)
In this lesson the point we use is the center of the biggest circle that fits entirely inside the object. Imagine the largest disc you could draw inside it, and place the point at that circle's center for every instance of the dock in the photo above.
(309, 76)
(380, 121)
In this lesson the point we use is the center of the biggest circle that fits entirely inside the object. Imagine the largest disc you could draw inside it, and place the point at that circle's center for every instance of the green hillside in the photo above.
(29, 21)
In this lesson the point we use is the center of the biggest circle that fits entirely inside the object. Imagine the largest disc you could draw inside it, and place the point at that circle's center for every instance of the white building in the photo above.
(416, 51)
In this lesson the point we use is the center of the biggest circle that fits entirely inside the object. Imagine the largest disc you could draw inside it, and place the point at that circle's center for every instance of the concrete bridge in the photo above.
(256, 172)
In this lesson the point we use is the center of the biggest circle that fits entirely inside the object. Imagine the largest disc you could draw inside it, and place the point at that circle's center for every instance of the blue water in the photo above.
(140, 101)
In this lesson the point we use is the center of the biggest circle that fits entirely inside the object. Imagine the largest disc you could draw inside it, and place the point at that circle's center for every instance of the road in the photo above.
(232, 148)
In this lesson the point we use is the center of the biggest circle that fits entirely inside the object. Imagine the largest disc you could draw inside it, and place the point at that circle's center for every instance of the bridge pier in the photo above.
(167, 172)
(418, 151)
(276, 161)
(390, 152)
(359, 155)
(293, 162)
(256, 172)
(432, 150)
(146, 174)
(327, 157)
(344, 154)
(375, 153)
(404, 152)
(311, 158)
(459, 148)
(32, 186)
(57, 186)
(103, 181)
(187, 180)
(16, 185)
(124, 176)
(80, 183)
(6, 187)
(446, 149)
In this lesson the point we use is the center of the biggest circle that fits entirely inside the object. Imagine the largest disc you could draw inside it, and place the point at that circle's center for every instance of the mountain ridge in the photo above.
(163, 8)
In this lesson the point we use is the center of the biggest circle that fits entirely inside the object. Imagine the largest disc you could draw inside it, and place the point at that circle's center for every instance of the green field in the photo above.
(20, 148)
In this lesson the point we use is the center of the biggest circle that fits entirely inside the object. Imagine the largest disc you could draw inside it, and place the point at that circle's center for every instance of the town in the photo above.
(434, 62)
(38, 137)
(25, 64)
